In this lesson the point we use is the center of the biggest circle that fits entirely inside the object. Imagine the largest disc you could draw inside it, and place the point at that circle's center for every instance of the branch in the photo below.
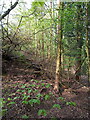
(42, 30)
(21, 21)
(8, 11)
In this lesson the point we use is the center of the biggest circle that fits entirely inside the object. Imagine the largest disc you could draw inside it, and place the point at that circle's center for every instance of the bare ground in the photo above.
(17, 74)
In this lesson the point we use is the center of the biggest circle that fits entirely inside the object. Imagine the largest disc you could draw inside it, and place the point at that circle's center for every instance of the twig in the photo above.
(8, 11)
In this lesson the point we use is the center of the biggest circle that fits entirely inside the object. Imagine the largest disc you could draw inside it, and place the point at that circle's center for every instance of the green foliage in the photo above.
(57, 106)
(33, 101)
(48, 85)
(42, 84)
(25, 97)
(35, 91)
(39, 95)
(16, 97)
(61, 98)
(25, 102)
(30, 90)
(9, 99)
(11, 103)
(42, 112)
(71, 103)
(23, 91)
(23, 86)
(47, 97)
(36, 81)
(3, 112)
(25, 117)
(33, 85)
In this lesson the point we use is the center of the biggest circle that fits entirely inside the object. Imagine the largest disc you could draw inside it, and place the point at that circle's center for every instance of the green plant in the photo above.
(25, 117)
(9, 99)
(33, 101)
(71, 103)
(42, 84)
(38, 85)
(42, 112)
(57, 106)
(22, 90)
(23, 86)
(30, 90)
(25, 97)
(47, 97)
(61, 98)
(32, 85)
(32, 80)
(39, 95)
(3, 112)
(11, 103)
(25, 102)
(18, 90)
(16, 98)
(35, 90)
(36, 81)
(48, 85)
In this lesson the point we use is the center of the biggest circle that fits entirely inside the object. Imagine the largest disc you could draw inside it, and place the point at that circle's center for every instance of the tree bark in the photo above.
(9, 10)
(58, 61)
(88, 36)
(79, 43)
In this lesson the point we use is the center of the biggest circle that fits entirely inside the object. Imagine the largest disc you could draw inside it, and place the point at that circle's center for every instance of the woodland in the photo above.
(45, 60)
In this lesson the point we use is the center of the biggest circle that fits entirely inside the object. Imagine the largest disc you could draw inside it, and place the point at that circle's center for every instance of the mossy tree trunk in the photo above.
(79, 42)
(58, 61)
(88, 36)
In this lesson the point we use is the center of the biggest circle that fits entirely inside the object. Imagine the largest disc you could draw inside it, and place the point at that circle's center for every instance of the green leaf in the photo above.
(25, 117)
(23, 86)
(11, 103)
(18, 90)
(36, 81)
(42, 112)
(36, 90)
(23, 91)
(42, 84)
(3, 112)
(32, 85)
(32, 101)
(71, 103)
(39, 95)
(57, 106)
(9, 99)
(16, 98)
(4, 102)
(48, 85)
(26, 97)
(47, 97)
(25, 102)
(29, 91)
(61, 98)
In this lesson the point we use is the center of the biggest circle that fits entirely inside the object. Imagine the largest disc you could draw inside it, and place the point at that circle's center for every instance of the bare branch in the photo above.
(21, 21)
(8, 11)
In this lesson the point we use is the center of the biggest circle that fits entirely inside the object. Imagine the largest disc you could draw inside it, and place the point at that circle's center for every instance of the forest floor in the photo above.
(23, 83)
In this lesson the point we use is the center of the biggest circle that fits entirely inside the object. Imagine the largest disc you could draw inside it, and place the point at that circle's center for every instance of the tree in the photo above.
(58, 61)
(79, 39)
(9, 10)
(88, 36)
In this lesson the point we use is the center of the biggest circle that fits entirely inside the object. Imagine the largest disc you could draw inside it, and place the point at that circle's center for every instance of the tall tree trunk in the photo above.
(43, 44)
(88, 36)
(79, 43)
(58, 61)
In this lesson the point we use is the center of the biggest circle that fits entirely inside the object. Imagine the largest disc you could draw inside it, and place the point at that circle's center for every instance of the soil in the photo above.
(18, 74)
